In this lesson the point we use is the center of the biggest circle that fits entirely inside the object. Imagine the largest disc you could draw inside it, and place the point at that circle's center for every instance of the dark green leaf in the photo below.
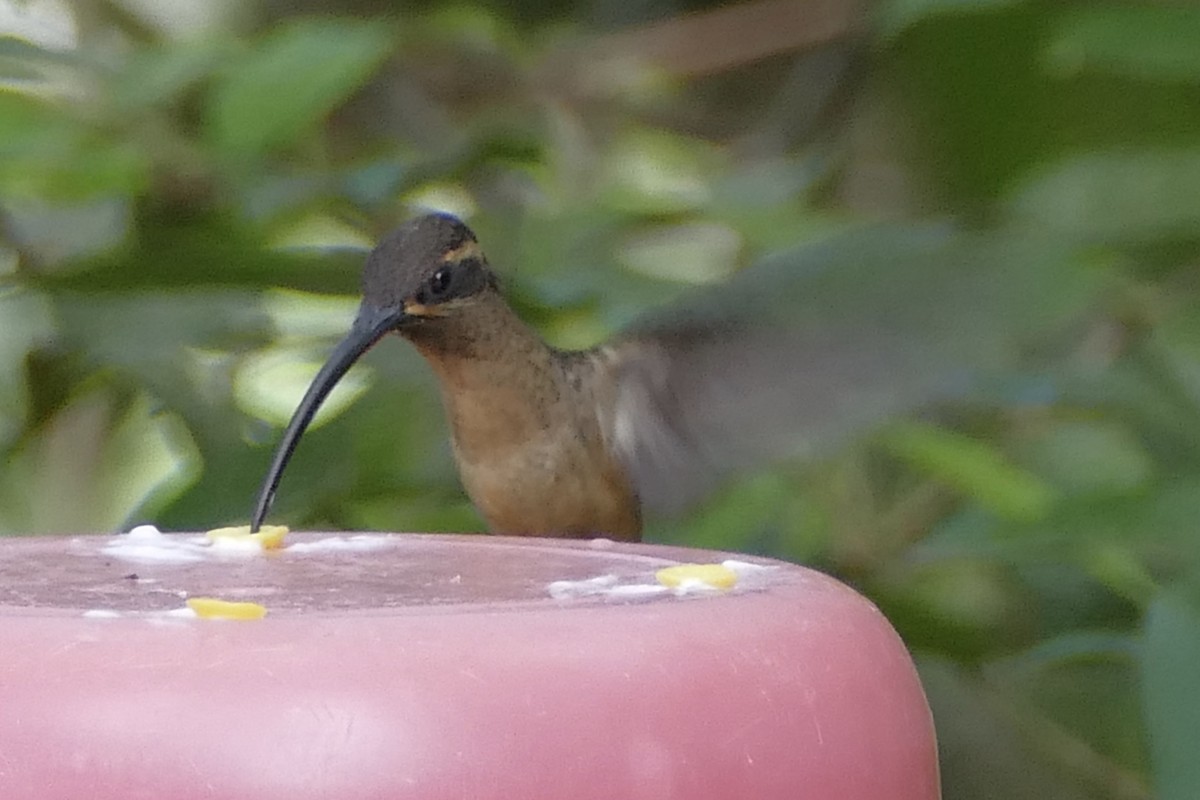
(973, 467)
(1116, 196)
(1170, 688)
(278, 91)
(1152, 42)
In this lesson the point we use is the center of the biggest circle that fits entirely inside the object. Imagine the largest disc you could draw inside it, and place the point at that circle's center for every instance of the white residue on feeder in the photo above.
(101, 613)
(637, 590)
(611, 586)
(561, 590)
(603, 586)
(175, 613)
(695, 586)
(745, 568)
(340, 544)
(151, 616)
(147, 544)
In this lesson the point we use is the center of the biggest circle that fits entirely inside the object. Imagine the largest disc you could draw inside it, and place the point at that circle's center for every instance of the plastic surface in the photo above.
(445, 667)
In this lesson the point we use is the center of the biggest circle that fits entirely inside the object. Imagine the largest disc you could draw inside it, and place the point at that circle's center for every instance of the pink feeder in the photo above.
(411, 666)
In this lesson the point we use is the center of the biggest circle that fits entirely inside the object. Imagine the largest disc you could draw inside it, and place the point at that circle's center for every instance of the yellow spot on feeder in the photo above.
(269, 537)
(717, 576)
(212, 608)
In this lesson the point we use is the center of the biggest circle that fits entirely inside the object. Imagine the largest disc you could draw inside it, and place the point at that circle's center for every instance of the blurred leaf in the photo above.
(23, 121)
(52, 234)
(1089, 457)
(748, 516)
(1059, 680)
(206, 252)
(974, 467)
(150, 458)
(984, 753)
(1071, 647)
(1115, 197)
(270, 384)
(1141, 390)
(424, 511)
(896, 15)
(93, 466)
(1146, 42)
(1170, 687)
(1117, 565)
(320, 232)
(1177, 338)
(28, 323)
(972, 608)
(23, 60)
(654, 172)
(158, 328)
(692, 253)
(46, 154)
(153, 77)
(290, 80)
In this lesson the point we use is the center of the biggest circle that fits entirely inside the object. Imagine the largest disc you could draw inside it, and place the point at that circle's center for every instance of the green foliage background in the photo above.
(185, 197)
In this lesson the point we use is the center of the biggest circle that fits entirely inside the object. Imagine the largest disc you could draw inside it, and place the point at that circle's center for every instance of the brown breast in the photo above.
(527, 437)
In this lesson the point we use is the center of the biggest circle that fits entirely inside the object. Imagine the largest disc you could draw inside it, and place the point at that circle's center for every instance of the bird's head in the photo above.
(417, 281)
(429, 269)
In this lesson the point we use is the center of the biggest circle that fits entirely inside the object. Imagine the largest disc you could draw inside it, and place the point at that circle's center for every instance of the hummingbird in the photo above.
(788, 358)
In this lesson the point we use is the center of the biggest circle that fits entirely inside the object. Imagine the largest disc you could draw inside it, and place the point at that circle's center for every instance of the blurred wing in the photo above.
(797, 354)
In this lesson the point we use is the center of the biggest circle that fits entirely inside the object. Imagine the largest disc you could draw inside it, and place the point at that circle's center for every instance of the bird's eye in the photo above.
(439, 282)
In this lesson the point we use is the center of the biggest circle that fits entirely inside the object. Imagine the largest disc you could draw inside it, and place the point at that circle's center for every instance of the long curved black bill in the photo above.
(369, 327)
